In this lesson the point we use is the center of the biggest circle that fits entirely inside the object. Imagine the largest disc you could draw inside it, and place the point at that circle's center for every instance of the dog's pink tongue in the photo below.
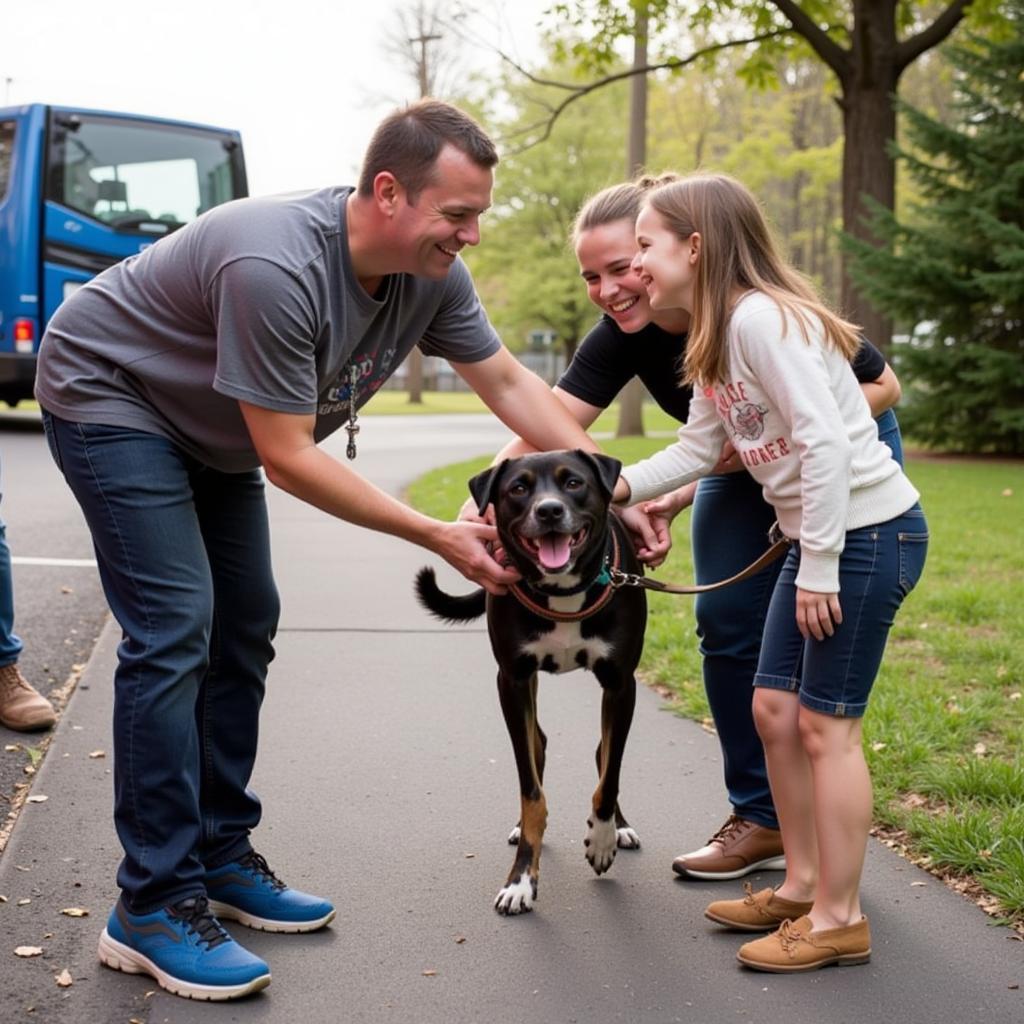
(553, 550)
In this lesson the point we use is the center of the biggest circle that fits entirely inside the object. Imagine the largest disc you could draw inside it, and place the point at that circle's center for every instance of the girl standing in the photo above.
(769, 365)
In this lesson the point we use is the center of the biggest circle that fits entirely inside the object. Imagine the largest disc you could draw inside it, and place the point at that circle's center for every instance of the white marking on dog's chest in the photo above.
(564, 643)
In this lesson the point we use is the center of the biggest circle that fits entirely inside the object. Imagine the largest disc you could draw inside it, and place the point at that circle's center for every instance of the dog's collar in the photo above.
(521, 591)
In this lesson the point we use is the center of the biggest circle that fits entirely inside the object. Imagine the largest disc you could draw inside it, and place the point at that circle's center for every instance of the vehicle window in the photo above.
(150, 178)
(7, 129)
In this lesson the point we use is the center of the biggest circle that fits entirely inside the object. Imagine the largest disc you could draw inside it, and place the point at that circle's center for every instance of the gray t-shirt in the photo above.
(255, 301)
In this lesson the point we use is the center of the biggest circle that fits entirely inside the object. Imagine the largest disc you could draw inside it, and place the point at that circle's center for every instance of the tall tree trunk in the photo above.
(869, 72)
(869, 123)
(631, 398)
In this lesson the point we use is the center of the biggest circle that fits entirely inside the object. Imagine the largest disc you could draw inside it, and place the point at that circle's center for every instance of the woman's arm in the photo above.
(883, 393)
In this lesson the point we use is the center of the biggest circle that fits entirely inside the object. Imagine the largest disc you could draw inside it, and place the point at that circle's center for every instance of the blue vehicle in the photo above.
(79, 191)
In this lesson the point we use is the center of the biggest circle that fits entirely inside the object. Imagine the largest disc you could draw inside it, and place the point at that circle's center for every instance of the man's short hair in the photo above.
(408, 142)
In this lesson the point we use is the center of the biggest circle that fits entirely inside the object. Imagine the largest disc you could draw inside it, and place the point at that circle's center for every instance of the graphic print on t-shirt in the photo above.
(373, 369)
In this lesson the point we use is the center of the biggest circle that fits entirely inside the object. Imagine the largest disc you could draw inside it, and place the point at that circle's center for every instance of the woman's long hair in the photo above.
(617, 202)
(737, 249)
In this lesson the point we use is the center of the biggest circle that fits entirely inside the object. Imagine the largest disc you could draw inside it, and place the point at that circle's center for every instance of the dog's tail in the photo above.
(447, 606)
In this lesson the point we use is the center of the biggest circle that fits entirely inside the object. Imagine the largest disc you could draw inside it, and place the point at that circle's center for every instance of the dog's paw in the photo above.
(627, 839)
(600, 843)
(517, 897)
(513, 836)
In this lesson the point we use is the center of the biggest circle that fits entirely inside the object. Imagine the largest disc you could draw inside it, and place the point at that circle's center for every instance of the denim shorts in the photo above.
(879, 566)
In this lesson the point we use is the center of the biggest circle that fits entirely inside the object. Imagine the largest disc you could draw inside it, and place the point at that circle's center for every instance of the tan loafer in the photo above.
(760, 911)
(795, 947)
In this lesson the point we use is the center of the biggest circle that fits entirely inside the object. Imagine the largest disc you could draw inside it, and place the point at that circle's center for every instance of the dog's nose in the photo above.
(549, 511)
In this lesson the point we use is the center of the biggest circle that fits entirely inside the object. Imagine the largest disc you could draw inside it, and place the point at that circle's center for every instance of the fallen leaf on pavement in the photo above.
(64, 979)
(28, 951)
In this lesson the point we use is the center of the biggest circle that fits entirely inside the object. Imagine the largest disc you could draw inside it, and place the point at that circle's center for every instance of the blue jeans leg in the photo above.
(10, 642)
(889, 433)
(729, 526)
(184, 557)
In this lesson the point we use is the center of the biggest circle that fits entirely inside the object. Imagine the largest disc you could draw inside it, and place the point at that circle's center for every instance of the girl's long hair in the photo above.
(737, 249)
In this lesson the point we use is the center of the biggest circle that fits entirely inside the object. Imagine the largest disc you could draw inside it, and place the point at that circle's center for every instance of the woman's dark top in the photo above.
(607, 359)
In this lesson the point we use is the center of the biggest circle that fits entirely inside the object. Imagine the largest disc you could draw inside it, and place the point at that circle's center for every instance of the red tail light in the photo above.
(24, 335)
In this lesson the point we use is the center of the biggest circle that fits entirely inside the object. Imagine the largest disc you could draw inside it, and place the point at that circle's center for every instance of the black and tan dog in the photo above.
(553, 520)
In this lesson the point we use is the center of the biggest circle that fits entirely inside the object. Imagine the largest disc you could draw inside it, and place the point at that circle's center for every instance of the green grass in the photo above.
(393, 403)
(944, 732)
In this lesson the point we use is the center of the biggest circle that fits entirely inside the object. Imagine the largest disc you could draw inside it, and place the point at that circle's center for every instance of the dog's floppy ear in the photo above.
(606, 469)
(483, 485)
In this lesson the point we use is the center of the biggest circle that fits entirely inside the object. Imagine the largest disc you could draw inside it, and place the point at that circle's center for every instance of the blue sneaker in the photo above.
(247, 891)
(185, 948)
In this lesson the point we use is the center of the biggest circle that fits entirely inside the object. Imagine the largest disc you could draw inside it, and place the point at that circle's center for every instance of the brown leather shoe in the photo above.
(736, 849)
(794, 947)
(757, 912)
(21, 707)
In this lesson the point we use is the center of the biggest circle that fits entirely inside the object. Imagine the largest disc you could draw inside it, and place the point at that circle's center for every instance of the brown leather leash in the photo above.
(780, 544)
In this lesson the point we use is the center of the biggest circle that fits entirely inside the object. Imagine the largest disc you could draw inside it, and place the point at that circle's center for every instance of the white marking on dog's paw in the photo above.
(516, 897)
(600, 842)
(628, 839)
(513, 836)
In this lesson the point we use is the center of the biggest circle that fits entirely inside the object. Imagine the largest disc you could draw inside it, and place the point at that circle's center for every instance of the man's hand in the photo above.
(466, 547)
(817, 615)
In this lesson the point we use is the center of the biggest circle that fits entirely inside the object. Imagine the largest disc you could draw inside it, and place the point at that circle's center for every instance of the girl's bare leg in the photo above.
(777, 716)
(842, 813)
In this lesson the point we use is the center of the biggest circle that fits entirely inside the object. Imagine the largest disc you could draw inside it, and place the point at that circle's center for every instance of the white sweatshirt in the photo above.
(802, 426)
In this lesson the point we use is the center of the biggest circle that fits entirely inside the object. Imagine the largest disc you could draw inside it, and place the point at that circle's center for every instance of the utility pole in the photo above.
(422, 64)
(631, 416)
(414, 361)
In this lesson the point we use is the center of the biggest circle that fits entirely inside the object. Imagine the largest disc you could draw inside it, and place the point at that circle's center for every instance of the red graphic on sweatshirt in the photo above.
(747, 420)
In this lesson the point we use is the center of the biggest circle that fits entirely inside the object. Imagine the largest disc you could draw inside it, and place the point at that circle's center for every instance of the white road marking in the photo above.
(83, 563)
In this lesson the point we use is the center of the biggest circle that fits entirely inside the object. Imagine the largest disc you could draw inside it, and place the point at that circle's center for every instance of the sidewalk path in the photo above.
(388, 785)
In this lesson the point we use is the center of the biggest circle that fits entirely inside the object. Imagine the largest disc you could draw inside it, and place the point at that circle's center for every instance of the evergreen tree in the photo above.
(953, 268)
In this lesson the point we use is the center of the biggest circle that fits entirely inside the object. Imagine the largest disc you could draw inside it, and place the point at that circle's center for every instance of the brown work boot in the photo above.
(757, 912)
(794, 947)
(21, 706)
(736, 849)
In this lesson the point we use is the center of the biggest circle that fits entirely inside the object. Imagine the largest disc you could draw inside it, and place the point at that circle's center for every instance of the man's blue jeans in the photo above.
(729, 529)
(184, 558)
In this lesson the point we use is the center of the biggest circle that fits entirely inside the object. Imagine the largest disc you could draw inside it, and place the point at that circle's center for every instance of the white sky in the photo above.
(305, 81)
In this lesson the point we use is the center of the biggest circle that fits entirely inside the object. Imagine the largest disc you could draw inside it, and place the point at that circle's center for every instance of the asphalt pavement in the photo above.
(388, 786)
